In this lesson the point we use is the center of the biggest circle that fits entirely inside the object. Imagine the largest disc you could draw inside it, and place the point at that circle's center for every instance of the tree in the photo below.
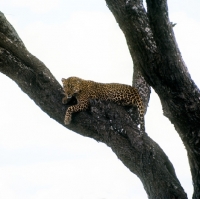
(157, 63)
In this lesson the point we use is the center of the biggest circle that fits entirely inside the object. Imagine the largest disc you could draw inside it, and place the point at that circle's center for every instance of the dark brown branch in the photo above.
(152, 44)
(106, 122)
(183, 107)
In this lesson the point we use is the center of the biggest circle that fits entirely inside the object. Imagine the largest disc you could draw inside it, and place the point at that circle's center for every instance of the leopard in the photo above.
(85, 90)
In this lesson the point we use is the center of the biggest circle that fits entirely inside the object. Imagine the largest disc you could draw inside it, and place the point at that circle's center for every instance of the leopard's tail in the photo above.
(140, 107)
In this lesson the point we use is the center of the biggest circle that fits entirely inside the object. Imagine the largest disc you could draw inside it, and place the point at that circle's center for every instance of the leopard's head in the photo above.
(71, 86)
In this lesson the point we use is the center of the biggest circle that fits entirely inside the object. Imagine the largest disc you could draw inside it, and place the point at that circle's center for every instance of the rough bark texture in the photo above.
(152, 44)
(157, 62)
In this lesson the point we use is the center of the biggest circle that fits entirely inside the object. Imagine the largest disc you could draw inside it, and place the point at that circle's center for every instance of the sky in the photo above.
(40, 159)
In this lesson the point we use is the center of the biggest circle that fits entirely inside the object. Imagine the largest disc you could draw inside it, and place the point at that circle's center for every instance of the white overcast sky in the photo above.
(40, 159)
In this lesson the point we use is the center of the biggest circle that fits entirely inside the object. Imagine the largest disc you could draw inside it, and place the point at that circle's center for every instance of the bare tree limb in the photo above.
(152, 44)
(181, 91)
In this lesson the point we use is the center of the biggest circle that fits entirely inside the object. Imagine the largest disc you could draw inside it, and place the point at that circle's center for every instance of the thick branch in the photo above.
(106, 122)
(152, 43)
(186, 115)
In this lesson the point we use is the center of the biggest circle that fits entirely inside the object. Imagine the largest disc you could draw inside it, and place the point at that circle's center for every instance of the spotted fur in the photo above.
(84, 90)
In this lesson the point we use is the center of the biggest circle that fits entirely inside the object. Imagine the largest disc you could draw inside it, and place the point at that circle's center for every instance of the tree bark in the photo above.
(157, 58)
(152, 43)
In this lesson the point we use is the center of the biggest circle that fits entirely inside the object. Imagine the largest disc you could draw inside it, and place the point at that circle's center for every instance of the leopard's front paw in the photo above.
(67, 120)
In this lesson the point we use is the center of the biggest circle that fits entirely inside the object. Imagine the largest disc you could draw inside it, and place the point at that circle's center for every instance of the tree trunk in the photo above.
(151, 42)
(157, 62)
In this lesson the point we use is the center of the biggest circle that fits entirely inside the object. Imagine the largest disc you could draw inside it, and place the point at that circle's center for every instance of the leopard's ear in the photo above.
(63, 79)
